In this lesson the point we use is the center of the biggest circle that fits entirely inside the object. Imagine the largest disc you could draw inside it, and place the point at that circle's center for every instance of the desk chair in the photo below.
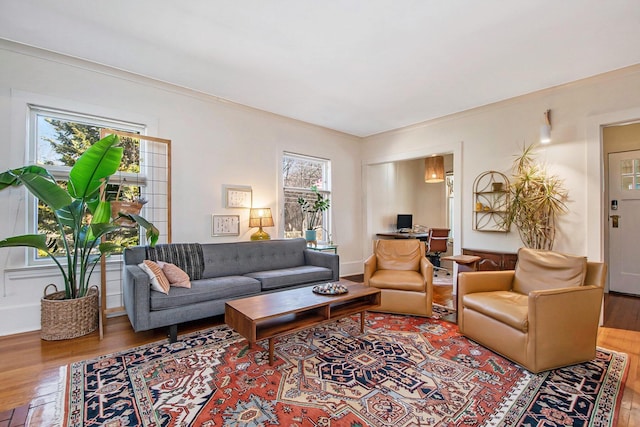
(437, 242)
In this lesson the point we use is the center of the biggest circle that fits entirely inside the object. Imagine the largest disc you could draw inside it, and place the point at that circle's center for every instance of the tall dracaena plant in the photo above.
(537, 199)
(83, 218)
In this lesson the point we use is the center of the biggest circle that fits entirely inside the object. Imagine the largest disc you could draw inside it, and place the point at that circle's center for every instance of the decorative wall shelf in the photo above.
(490, 201)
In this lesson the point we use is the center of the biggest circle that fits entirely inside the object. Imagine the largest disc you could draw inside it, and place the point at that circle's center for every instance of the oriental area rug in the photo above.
(402, 371)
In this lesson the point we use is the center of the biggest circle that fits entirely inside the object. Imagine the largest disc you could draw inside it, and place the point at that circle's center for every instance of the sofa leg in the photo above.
(173, 333)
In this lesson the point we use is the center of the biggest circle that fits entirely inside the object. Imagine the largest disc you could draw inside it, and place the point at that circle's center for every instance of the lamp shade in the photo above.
(260, 217)
(434, 169)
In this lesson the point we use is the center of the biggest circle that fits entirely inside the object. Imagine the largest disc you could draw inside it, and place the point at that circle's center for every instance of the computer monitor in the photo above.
(404, 222)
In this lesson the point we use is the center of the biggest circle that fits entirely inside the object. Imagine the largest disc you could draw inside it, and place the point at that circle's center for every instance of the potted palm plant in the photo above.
(84, 219)
(537, 199)
(312, 213)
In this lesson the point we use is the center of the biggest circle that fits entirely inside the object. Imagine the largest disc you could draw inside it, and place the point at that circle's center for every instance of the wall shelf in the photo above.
(490, 202)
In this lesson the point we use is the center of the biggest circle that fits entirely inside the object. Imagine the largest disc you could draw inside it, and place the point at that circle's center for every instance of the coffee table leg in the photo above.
(270, 351)
(362, 321)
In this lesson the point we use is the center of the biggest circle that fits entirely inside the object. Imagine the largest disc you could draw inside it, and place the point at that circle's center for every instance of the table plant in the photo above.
(83, 217)
(312, 212)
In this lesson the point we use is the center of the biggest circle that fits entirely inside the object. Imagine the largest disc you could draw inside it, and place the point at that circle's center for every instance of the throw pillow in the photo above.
(176, 276)
(159, 281)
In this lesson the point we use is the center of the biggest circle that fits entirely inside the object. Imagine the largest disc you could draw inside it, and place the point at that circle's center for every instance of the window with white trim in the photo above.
(56, 139)
(299, 174)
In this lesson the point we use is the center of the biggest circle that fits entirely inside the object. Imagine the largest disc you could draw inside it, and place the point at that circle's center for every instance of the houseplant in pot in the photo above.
(537, 200)
(312, 213)
(84, 219)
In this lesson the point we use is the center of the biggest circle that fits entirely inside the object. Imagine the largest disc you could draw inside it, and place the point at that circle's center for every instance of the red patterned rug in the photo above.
(403, 371)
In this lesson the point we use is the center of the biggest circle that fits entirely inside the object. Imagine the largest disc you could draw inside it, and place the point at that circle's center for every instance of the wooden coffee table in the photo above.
(279, 313)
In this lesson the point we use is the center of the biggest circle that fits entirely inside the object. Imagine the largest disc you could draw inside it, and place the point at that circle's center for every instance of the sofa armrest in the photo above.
(370, 267)
(323, 259)
(136, 290)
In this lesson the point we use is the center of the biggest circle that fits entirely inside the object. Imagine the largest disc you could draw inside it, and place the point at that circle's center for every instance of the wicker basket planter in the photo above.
(63, 319)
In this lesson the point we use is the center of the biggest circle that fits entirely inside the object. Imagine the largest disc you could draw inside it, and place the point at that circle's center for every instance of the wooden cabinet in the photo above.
(493, 260)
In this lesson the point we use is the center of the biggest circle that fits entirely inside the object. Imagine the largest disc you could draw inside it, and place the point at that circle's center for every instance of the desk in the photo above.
(395, 235)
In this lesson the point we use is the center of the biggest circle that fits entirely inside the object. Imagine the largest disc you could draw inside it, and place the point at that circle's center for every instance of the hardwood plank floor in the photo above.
(31, 368)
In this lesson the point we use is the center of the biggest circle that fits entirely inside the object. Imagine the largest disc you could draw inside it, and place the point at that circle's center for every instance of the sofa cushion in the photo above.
(507, 307)
(273, 279)
(404, 280)
(175, 275)
(187, 256)
(205, 290)
(239, 258)
(398, 254)
(539, 269)
(159, 281)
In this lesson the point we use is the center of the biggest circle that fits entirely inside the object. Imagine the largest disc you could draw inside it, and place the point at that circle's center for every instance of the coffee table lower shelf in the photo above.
(272, 315)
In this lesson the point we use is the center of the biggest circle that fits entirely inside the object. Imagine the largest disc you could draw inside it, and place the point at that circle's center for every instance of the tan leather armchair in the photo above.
(543, 315)
(403, 274)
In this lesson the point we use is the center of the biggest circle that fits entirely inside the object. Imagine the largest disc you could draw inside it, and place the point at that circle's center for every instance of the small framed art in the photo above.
(225, 225)
(238, 197)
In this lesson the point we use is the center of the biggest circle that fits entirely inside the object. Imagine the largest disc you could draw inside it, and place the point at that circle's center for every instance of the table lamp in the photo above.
(260, 217)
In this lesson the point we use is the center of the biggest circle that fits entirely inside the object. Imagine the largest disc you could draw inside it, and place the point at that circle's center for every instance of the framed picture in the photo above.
(225, 225)
(238, 197)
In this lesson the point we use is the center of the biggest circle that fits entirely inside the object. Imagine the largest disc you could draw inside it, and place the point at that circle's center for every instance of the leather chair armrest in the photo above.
(426, 270)
(370, 267)
(484, 281)
(563, 322)
(569, 307)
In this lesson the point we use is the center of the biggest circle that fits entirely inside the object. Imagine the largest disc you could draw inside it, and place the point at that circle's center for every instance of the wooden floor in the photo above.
(31, 369)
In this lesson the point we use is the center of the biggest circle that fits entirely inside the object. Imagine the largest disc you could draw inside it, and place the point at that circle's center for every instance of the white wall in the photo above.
(213, 143)
(491, 136)
(399, 187)
(216, 142)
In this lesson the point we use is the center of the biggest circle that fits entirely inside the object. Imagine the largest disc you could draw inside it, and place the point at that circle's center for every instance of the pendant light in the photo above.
(434, 169)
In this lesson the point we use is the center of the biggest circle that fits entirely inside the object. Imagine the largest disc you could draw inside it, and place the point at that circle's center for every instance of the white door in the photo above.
(624, 222)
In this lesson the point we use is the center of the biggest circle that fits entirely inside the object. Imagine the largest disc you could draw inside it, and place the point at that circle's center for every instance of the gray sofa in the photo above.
(219, 272)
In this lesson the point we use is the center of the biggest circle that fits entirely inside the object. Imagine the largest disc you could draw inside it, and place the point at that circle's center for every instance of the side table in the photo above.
(324, 248)
(465, 262)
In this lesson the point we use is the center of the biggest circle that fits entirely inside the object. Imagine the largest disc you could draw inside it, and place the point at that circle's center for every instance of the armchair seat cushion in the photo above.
(507, 307)
(404, 280)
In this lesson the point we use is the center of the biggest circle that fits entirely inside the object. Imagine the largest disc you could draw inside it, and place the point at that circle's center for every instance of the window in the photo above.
(299, 174)
(57, 139)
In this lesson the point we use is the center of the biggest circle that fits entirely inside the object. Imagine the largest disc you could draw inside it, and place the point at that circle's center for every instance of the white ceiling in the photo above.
(357, 66)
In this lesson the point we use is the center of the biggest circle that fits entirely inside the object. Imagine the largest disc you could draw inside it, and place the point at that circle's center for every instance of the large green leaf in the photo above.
(71, 215)
(10, 177)
(102, 213)
(109, 248)
(39, 182)
(152, 233)
(90, 171)
(38, 241)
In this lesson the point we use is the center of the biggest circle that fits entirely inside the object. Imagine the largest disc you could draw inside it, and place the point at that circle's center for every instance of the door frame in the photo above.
(597, 204)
